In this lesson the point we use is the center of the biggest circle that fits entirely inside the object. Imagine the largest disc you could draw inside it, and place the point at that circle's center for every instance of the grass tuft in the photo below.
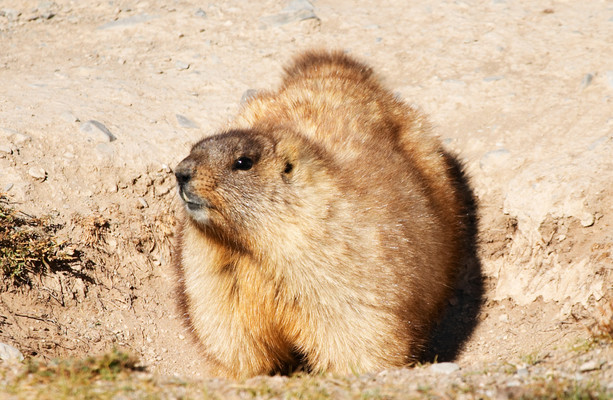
(106, 367)
(28, 246)
(602, 328)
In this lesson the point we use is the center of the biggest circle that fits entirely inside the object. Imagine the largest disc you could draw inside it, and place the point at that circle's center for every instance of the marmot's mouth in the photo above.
(192, 201)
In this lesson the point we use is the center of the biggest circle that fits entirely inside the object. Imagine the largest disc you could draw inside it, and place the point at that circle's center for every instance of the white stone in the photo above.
(444, 368)
(9, 353)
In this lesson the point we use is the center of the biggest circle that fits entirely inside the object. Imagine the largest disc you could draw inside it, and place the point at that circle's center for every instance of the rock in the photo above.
(14, 136)
(181, 65)
(587, 80)
(522, 372)
(296, 10)
(142, 203)
(5, 148)
(186, 122)
(37, 173)
(69, 117)
(456, 82)
(122, 23)
(587, 219)
(7, 132)
(493, 78)
(495, 159)
(9, 353)
(97, 130)
(589, 366)
(297, 5)
(248, 95)
(20, 138)
(598, 142)
(444, 368)
(200, 13)
(10, 13)
(609, 76)
(8, 187)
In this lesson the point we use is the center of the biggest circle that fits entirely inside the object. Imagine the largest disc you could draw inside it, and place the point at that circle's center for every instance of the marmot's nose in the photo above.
(184, 172)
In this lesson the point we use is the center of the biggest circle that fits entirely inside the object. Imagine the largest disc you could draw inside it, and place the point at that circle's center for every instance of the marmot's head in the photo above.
(237, 184)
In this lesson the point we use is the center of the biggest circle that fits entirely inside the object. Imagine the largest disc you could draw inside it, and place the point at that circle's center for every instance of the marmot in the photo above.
(322, 228)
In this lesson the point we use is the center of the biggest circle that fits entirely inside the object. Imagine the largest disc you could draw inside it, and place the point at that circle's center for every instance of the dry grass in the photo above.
(117, 375)
(602, 327)
(28, 246)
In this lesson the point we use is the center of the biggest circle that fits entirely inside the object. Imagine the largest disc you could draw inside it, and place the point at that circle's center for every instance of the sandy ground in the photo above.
(521, 91)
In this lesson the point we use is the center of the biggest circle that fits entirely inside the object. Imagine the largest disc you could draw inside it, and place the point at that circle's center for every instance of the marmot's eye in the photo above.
(288, 168)
(243, 163)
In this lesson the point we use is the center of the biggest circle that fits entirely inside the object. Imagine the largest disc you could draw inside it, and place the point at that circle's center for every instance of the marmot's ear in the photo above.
(294, 150)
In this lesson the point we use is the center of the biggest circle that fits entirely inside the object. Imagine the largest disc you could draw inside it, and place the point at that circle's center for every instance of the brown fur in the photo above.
(338, 247)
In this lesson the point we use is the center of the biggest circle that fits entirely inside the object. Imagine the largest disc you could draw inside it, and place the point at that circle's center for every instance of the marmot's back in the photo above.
(322, 227)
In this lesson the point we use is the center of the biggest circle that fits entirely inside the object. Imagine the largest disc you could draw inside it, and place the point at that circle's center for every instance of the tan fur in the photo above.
(338, 248)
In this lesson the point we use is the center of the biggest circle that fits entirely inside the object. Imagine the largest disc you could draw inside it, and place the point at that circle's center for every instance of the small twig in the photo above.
(36, 318)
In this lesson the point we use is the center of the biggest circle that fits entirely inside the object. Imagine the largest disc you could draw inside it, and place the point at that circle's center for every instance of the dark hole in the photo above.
(288, 168)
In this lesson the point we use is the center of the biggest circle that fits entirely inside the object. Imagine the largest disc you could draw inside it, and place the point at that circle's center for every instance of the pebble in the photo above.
(609, 75)
(513, 383)
(522, 372)
(457, 82)
(8, 187)
(37, 173)
(20, 138)
(587, 219)
(98, 130)
(9, 13)
(297, 5)
(598, 142)
(200, 13)
(297, 10)
(587, 80)
(493, 78)
(589, 366)
(181, 65)
(133, 20)
(5, 148)
(494, 159)
(186, 122)
(444, 368)
(248, 95)
(69, 117)
(143, 202)
(9, 353)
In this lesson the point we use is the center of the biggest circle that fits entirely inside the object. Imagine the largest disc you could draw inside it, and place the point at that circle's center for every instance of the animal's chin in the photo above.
(198, 213)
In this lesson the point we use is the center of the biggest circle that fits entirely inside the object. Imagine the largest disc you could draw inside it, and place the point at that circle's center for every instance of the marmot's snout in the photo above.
(184, 173)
